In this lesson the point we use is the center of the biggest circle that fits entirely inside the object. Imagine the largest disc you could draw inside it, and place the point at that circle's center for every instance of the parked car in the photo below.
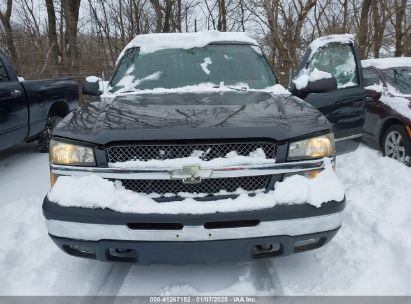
(188, 155)
(388, 117)
(30, 109)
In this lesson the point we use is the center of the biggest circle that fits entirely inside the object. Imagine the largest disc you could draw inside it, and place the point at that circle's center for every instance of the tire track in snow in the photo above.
(265, 276)
(110, 285)
(114, 279)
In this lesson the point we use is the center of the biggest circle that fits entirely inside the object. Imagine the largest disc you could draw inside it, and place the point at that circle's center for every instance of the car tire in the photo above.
(397, 144)
(45, 137)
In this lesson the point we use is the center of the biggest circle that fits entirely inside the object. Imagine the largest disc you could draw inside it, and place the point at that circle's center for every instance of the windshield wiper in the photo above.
(237, 89)
(231, 88)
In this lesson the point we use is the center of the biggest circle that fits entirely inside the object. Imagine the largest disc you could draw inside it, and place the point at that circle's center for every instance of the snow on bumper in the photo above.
(92, 191)
(91, 208)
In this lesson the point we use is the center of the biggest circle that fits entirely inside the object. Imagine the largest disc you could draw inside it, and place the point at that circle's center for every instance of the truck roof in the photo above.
(386, 63)
(149, 43)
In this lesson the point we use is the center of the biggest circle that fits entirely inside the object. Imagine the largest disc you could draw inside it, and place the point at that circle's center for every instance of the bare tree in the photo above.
(71, 9)
(5, 18)
(222, 16)
(400, 29)
(363, 28)
(66, 43)
(52, 35)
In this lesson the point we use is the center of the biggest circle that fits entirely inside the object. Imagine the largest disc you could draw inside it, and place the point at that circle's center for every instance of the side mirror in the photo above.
(373, 94)
(91, 86)
(322, 85)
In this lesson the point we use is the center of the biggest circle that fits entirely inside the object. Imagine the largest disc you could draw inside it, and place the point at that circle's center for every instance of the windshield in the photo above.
(239, 66)
(399, 78)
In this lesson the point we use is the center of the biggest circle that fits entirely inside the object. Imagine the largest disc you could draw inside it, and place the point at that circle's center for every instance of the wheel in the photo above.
(397, 144)
(45, 137)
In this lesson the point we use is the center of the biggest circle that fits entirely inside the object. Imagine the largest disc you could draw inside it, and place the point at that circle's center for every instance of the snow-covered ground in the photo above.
(371, 255)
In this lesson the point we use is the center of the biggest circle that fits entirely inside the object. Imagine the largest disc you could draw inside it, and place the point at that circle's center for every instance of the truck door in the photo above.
(344, 103)
(13, 110)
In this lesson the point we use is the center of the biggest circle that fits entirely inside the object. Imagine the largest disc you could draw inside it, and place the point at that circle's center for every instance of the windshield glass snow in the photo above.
(399, 78)
(234, 66)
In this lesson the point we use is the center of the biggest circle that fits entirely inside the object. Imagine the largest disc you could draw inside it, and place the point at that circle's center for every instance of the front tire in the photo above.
(45, 137)
(397, 144)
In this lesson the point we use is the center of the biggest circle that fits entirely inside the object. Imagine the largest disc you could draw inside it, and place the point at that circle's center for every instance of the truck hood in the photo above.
(229, 114)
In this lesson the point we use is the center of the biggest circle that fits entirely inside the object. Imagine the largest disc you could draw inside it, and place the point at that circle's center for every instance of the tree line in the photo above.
(49, 38)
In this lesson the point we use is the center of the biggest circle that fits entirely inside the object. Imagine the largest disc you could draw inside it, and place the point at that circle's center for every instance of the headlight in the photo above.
(68, 154)
(316, 147)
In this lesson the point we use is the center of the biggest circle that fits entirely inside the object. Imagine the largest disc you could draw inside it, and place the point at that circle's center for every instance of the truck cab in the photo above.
(30, 109)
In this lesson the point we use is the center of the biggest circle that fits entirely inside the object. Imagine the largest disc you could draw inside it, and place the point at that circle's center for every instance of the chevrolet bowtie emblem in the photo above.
(191, 174)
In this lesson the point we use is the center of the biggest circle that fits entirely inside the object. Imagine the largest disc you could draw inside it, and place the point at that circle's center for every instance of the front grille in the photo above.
(209, 186)
(171, 151)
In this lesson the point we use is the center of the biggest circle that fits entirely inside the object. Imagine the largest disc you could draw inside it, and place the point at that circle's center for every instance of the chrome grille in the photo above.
(209, 186)
(171, 151)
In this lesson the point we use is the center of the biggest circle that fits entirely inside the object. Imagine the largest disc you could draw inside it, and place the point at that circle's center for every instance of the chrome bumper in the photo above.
(220, 172)
(290, 227)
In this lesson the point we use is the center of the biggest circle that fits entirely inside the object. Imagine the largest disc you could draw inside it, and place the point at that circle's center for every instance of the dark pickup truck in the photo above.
(29, 110)
(195, 153)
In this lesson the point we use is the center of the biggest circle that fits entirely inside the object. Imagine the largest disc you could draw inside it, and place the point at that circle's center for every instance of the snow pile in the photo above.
(130, 83)
(232, 159)
(370, 255)
(317, 75)
(400, 104)
(305, 77)
(93, 79)
(207, 61)
(387, 213)
(347, 85)
(276, 89)
(323, 41)
(375, 87)
(387, 63)
(94, 192)
(302, 80)
(154, 42)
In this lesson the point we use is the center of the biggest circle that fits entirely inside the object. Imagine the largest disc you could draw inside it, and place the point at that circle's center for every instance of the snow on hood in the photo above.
(92, 191)
(149, 43)
(386, 63)
(322, 41)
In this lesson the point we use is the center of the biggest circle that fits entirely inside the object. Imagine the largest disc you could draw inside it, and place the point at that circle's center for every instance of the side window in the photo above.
(370, 77)
(338, 60)
(3, 73)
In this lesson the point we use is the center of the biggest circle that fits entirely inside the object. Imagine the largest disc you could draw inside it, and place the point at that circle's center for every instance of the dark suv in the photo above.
(194, 153)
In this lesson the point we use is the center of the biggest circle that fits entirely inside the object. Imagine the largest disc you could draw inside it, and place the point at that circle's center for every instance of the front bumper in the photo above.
(182, 253)
(179, 239)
